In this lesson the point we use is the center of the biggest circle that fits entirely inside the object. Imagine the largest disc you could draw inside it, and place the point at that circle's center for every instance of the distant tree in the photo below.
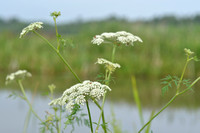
(197, 18)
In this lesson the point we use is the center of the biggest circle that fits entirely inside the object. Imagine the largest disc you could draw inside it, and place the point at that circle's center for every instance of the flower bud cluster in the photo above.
(55, 14)
(121, 37)
(188, 52)
(79, 93)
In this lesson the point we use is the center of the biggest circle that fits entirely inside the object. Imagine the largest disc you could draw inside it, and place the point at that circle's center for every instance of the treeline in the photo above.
(14, 25)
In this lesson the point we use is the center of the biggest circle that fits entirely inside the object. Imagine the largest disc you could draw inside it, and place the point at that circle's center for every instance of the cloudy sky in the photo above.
(32, 10)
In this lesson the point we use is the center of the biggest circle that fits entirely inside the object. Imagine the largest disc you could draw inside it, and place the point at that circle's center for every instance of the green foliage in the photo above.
(15, 95)
(101, 78)
(48, 124)
(169, 81)
(156, 45)
(76, 117)
(196, 59)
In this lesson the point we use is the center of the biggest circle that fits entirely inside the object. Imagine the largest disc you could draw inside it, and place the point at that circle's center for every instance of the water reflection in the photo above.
(176, 120)
(149, 89)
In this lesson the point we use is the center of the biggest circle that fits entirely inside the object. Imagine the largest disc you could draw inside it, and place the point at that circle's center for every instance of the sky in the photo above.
(71, 10)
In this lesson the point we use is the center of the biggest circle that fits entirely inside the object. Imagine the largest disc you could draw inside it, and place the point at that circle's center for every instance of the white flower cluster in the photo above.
(31, 27)
(109, 65)
(79, 93)
(121, 37)
(19, 75)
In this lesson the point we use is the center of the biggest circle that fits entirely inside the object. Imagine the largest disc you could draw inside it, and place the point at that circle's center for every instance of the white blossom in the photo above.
(80, 99)
(79, 93)
(97, 40)
(121, 37)
(31, 27)
(69, 106)
(55, 101)
(97, 93)
(19, 75)
(109, 65)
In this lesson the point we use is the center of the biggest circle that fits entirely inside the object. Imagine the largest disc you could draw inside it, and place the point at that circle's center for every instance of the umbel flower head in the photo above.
(121, 37)
(79, 93)
(19, 75)
(31, 27)
(109, 65)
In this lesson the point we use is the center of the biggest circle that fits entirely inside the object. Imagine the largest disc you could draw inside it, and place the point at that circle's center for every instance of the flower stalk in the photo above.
(26, 99)
(89, 114)
(60, 56)
(57, 35)
(107, 81)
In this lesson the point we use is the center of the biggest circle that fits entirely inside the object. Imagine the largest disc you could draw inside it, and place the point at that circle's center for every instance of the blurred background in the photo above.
(166, 28)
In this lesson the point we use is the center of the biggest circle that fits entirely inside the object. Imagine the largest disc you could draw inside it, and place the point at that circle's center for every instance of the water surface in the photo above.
(173, 120)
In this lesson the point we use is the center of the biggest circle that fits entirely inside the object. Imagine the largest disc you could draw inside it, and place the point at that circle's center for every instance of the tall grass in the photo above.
(154, 59)
(160, 40)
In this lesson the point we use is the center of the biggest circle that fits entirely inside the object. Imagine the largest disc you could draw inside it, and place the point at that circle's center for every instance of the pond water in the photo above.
(172, 120)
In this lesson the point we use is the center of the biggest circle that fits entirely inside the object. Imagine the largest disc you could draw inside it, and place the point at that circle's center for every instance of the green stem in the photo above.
(58, 53)
(103, 118)
(60, 118)
(58, 46)
(90, 119)
(193, 83)
(27, 121)
(101, 115)
(26, 99)
(66, 63)
(179, 83)
(158, 113)
(107, 81)
(57, 127)
(172, 99)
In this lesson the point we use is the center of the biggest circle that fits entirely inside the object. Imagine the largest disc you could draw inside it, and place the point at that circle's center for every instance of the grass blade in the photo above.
(137, 99)
(149, 126)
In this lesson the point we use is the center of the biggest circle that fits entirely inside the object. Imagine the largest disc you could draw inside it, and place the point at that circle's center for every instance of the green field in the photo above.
(160, 54)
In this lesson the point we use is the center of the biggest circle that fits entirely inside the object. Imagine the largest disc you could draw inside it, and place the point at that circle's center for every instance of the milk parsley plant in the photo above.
(86, 91)
(115, 39)
(33, 28)
(182, 85)
(82, 92)
(19, 76)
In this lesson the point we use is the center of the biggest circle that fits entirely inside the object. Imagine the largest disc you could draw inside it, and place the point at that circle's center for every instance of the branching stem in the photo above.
(26, 99)
(107, 81)
(172, 99)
